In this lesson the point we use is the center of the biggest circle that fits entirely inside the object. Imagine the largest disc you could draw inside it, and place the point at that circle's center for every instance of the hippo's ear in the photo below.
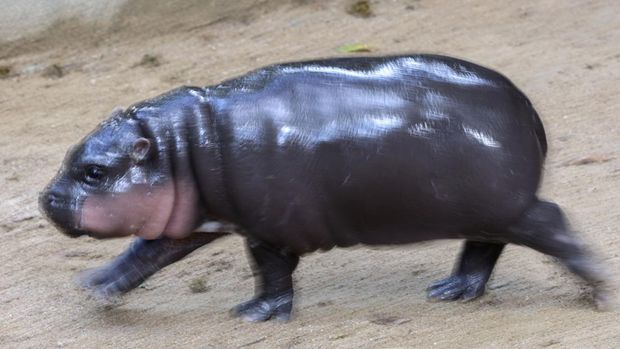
(140, 149)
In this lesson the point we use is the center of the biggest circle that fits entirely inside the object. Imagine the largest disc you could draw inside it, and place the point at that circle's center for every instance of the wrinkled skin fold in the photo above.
(313, 155)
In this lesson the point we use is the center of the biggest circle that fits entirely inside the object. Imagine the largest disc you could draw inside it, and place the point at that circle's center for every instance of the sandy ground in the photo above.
(564, 54)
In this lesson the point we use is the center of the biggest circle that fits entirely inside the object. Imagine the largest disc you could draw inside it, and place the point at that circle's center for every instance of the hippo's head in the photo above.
(119, 180)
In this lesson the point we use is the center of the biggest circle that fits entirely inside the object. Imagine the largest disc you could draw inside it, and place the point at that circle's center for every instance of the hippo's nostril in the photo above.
(53, 199)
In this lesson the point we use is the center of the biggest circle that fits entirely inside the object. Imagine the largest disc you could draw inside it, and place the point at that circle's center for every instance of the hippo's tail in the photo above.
(540, 131)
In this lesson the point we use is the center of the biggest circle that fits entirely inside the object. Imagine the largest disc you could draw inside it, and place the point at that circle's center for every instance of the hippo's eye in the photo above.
(93, 174)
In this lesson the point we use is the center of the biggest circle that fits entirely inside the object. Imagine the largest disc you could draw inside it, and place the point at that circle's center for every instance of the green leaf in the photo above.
(352, 48)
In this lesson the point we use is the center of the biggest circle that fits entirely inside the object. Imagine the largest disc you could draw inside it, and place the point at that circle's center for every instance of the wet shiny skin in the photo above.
(317, 154)
(311, 155)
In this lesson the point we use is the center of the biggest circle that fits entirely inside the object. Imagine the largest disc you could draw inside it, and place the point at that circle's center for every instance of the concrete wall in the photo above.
(21, 18)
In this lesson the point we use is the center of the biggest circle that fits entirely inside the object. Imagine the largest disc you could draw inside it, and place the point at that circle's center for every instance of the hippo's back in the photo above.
(379, 150)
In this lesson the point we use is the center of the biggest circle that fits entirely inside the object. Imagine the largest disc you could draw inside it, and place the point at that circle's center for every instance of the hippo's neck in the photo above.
(186, 132)
(206, 139)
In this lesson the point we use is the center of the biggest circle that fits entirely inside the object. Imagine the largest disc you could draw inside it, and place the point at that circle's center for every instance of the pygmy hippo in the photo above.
(311, 155)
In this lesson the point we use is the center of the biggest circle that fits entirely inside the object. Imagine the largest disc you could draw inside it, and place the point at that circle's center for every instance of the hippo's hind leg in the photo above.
(543, 228)
(470, 274)
(139, 261)
(274, 289)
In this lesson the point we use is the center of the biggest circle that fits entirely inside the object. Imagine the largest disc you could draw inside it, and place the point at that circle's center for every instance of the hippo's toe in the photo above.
(265, 307)
(104, 283)
(91, 278)
(463, 287)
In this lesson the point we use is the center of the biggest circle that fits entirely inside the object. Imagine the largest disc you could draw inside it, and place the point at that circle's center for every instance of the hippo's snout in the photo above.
(60, 211)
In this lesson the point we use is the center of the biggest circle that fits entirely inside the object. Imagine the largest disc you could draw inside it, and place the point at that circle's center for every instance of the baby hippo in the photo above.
(312, 155)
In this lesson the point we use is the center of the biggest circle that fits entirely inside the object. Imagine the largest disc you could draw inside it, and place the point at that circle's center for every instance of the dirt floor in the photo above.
(57, 86)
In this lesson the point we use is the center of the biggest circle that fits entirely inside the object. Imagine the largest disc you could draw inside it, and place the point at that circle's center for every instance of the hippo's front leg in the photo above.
(274, 290)
(142, 259)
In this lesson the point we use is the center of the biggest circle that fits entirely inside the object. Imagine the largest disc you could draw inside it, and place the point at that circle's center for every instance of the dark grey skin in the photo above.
(313, 155)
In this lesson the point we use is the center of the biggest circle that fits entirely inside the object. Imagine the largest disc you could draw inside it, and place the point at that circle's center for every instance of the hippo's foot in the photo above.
(265, 307)
(471, 273)
(275, 288)
(456, 287)
(105, 283)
